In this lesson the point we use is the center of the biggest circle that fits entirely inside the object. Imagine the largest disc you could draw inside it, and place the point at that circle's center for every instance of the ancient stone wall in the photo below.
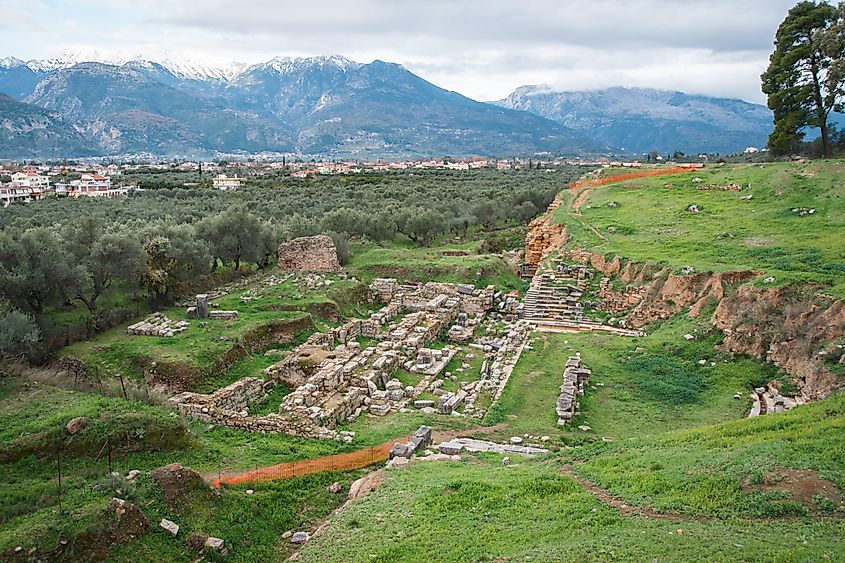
(544, 236)
(309, 254)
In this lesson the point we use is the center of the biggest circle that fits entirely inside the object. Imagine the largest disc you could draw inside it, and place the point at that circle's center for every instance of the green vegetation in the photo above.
(642, 386)
(773, 231)
(805, 79)
(482, 511)
(721, 470)
(155, 247)
(449, 261)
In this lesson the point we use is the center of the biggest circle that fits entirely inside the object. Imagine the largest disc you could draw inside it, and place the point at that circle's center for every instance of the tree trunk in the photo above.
(821, 114)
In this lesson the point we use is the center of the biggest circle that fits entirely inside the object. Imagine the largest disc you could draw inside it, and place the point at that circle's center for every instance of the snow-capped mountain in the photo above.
(314, 105)
(639, 120)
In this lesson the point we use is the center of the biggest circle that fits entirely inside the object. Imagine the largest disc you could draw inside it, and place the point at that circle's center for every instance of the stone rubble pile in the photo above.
(421, 439)
(575, 377)
(309, 254)
(157, 324)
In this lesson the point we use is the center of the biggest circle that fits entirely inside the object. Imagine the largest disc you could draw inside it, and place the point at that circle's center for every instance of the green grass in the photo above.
(193, 353)
(33, 418)
(651, 222)
(701, 471)
(404, 260)
(660, 388)
(482, 511)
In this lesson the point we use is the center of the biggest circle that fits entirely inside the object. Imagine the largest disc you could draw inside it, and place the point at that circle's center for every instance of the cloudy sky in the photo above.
(481, 48)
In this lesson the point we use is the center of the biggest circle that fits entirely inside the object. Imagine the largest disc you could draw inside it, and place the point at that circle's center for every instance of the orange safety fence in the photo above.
(630, 176)
(337, 462)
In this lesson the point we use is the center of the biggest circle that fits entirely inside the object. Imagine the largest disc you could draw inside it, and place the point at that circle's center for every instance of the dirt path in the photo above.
(605, 497)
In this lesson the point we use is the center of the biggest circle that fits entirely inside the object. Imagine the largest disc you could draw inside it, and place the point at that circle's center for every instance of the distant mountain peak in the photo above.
(284, 65)
(11, 62)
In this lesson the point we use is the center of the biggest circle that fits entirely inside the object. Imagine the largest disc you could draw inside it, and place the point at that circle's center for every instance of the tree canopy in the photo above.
(805, 79)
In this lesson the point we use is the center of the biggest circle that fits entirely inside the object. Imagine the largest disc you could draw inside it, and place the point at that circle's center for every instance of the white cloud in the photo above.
(481, 48)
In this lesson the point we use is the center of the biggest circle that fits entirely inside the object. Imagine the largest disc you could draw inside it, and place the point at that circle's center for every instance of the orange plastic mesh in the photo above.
(630, 176)
(337, 462)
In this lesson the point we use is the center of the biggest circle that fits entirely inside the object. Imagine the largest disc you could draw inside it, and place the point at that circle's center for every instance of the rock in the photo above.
(544, 438)
(287, 534)
(737, 395)
(76, 424)
(169, 526)
(216, 544)
(335, 488)
(689, 337)
(450, 448)
(506, 460)
(398, 462)
(516, 440)
(585, 428)
(300, 537)
(250, 492)
(132, 475)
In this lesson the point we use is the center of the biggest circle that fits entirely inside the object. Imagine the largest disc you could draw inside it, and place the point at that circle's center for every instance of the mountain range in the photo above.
(638, 120)
(332, 106)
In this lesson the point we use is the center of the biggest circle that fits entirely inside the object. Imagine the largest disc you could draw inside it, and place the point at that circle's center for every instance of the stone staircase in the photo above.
(550, 298)
(553, 303)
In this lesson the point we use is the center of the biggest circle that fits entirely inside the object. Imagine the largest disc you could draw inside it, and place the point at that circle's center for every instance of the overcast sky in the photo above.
(481, 48)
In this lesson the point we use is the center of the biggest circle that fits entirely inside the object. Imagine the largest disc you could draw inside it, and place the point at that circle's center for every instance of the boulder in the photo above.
(300, 537)
(76, 424)
(215, 544)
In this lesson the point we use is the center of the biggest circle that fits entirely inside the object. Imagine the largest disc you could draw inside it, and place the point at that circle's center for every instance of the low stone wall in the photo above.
(575, 376)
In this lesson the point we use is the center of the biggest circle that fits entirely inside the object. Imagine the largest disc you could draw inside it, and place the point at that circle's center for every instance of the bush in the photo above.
(18, 331)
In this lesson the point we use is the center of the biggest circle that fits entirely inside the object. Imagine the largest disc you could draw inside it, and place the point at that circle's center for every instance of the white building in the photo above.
(31, 180)
(223, 182)
(13, 193)
(94, 185)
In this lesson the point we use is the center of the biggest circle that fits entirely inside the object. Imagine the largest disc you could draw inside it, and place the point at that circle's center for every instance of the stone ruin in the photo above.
(422, 438)
(575, 377)
(157, 324)
(201, 310)
(334, 379)
(309, 254)
(768, 400)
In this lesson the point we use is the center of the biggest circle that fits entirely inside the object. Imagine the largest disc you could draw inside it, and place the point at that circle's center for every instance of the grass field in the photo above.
(639, 386)
(196, 350)
(647, 219)
(446, 261)
(667, 438)
(478, 510)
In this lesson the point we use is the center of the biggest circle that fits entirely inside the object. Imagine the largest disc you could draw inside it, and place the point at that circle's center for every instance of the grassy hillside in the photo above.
(480, 510)
(647, 219)
(790, 464)
(446, 260)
